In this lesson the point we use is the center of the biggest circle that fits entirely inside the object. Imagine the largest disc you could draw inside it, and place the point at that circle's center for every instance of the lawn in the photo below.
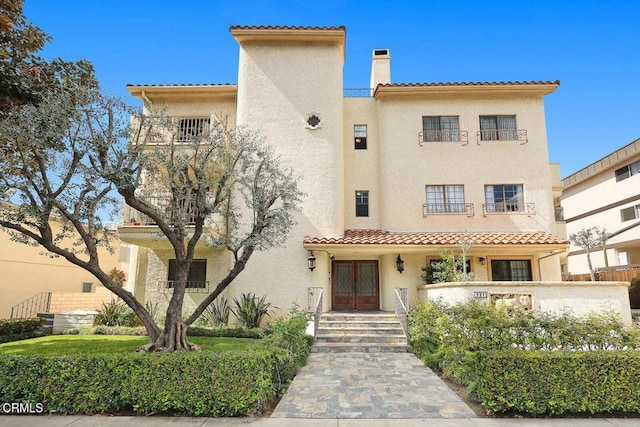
(92, 344)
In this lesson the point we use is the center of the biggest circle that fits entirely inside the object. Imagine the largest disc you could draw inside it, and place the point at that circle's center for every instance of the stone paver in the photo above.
(366, 385)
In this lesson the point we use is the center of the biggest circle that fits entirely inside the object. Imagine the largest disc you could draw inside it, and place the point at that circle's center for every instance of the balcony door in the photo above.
(355, 285)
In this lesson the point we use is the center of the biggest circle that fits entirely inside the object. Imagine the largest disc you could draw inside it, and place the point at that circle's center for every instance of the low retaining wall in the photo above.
(65, 321)
(580, 298)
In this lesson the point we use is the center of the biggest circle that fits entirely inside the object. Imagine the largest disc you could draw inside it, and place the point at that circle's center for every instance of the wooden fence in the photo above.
(624, 273)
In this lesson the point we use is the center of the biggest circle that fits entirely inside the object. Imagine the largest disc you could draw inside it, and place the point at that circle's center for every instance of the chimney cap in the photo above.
(380, 52)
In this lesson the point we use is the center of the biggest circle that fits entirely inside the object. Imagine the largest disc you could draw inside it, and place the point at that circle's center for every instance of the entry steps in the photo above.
(378, 332)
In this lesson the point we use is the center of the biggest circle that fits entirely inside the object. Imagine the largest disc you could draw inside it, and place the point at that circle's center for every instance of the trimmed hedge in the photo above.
(195, 383)
(555, 382)
(21, 329)
(192, 331)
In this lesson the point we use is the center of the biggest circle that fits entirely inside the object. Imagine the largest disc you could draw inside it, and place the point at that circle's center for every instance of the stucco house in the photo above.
(606, 194)
(394, 174)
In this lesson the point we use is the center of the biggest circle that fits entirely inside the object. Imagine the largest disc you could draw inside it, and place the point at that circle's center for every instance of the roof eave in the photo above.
(418, 90)
(269, 34)
(210, 91)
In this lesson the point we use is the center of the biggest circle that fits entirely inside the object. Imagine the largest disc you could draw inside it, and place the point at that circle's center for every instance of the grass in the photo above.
(54, 345)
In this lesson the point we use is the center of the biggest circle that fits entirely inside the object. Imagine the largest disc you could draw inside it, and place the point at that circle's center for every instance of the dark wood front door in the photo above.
(355, 285)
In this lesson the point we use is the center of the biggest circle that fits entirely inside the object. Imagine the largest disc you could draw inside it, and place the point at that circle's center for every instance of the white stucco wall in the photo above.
(579, 298)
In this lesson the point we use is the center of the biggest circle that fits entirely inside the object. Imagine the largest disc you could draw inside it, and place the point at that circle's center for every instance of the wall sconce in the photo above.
(311, 261)
(399, 264)
(482, 260)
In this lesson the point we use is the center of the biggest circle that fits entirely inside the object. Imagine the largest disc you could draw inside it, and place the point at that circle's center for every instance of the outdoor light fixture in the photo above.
(482, 260)
(399, 264)
(311, 261)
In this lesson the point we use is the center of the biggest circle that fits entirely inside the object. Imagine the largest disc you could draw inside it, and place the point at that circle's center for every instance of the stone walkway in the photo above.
(369, 385)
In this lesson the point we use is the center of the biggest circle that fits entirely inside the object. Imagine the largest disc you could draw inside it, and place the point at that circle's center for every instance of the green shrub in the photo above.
(448, 338)
(289, 333)
(199, 331)
(555, 382)
(115, 313)
(250, 310)
(196, 383)
(21, 329)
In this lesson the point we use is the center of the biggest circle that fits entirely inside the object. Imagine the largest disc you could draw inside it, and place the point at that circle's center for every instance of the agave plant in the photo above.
(217, 313)
(250, 310)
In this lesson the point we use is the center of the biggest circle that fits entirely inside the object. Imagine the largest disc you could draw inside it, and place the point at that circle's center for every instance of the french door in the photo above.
(355, 285)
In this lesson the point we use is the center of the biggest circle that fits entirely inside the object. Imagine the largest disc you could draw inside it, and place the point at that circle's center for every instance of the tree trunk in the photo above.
(591, 272)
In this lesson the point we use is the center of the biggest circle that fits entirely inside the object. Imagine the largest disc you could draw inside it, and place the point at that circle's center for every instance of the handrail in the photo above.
(429, 209)
(447, 135)
(402, 313)
(195, 286)
(30, 307)
(315, 306)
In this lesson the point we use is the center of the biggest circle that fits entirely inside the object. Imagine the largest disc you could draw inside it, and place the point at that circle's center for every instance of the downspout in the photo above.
(145, 99)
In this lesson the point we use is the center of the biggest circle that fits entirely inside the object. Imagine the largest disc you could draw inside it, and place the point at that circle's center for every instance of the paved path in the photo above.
(369, 385)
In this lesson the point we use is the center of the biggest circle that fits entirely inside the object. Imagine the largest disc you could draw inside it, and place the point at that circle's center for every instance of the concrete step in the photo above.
(358, 317)
(359, 348)
(337, 330)
(358, 323)
(361, 338)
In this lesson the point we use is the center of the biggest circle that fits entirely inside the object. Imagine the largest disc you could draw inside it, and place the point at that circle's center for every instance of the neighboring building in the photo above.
(606, 194)
(32, 281)
(397, 172)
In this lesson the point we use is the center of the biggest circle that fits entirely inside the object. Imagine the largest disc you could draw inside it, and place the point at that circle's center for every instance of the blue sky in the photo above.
(592, 47)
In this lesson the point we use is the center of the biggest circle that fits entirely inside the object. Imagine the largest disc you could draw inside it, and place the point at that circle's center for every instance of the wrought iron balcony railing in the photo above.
(509, 208)
(131, 216)
(503, 135)
(559, 214)
(443, 136)
(195, 286)
(447, 209)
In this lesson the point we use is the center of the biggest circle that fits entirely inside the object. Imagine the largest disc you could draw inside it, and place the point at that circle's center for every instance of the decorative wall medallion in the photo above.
(312, 121)
(512, 301)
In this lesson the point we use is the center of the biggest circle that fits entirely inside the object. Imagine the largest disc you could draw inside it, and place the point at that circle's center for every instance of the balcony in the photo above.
(559, 214)
(131, 216)
(509, 208)
(181, 130)
(443, 136)
(519, 135)
(447, 209)
(193, 286)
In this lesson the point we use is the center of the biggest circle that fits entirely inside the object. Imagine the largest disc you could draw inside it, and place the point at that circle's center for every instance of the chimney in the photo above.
(380, 68)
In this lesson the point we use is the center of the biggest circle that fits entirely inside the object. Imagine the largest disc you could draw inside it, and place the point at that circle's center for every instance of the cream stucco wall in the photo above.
(29, 270)
(408, 167)
(596, 202)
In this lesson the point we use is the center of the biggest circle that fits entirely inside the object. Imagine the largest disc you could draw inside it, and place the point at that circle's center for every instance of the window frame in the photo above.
(529, 264)
(192, 127)
(362, 203)
(452, 134)
(633, 210)
(496, 132)
(508, 207)
(359, 140)
(442, 193)
(197, 275)
(627, 171)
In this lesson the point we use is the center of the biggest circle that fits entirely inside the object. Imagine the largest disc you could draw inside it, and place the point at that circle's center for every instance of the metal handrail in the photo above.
(131, 216)
(314, 305)
(447, 209)
(30, 307)
(443, 136)
(503, 135)
(402, 312)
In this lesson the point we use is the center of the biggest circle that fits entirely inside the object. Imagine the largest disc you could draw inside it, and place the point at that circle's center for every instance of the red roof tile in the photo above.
(380, 237)
(531, 83)
(282, 27)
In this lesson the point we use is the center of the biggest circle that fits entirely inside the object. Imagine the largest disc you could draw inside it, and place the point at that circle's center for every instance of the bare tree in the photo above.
(588, 239)
(77, 152)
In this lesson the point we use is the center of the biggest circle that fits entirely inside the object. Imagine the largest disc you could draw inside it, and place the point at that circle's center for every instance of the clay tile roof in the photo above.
(380, 237)
(185, 85)
(285, 27)
(516, 83)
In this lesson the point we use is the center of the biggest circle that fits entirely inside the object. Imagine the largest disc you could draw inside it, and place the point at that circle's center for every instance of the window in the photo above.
(192, 127)
(360, 137)
(494, 128)
(440, 128)
(511, 270)
(630, 213)
(197, 278)
(504, 198)
(362, 203)
(445, 199)
(627, 171)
